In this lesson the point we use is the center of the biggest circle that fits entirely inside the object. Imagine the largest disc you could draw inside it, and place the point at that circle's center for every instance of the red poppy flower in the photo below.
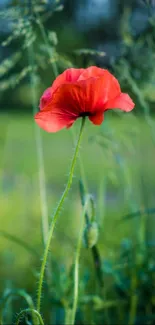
(77, 93)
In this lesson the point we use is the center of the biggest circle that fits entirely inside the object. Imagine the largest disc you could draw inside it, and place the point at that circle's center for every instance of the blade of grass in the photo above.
(138, 213)
(49, 49)
(19, 242)
(39, 145)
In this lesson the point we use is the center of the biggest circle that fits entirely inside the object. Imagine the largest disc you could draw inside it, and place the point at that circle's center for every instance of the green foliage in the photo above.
(9, 63)
(27, 29)
(15, 79)
(135, 68)
(89, 52)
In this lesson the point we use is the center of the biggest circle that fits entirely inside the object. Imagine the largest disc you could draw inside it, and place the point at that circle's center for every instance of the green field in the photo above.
(118, 163)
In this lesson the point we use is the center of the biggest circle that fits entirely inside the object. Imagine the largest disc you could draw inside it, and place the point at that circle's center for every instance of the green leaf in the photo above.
(99, 303)
(138, 213)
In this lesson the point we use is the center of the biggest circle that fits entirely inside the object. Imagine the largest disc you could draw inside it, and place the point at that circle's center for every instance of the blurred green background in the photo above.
(38, 40)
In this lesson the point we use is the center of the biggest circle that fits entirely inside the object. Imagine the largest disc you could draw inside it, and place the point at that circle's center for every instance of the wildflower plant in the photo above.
(77, 93)
(120, 282)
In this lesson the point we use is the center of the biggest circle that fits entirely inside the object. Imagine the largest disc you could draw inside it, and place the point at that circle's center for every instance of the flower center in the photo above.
(83, 114)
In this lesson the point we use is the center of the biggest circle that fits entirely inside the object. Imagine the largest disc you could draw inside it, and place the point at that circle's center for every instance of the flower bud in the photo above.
(91, 234)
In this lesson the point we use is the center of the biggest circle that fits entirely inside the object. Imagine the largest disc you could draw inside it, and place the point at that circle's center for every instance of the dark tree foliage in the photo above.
(78, 35)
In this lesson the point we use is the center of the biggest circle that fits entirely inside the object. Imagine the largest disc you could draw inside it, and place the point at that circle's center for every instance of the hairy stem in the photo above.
(55, 216)
(26, 311)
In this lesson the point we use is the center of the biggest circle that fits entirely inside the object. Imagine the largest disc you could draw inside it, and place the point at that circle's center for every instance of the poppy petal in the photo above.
(123, 102)
(110, 84)
(68, 97)
(46, 97)
(53, 121)
(91, 72)
(69, 75)
(97, 119)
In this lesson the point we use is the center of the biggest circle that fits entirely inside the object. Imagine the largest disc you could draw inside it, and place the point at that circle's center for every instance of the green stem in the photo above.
(38, 139)
(39, 146)
(98, 265)
(134, 299)
(27, 311)
(54, 219)
(49, 48)
(81, 166)
(76, 269)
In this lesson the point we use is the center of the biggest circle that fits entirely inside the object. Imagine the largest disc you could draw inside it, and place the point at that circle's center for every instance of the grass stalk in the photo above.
(39, 146)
